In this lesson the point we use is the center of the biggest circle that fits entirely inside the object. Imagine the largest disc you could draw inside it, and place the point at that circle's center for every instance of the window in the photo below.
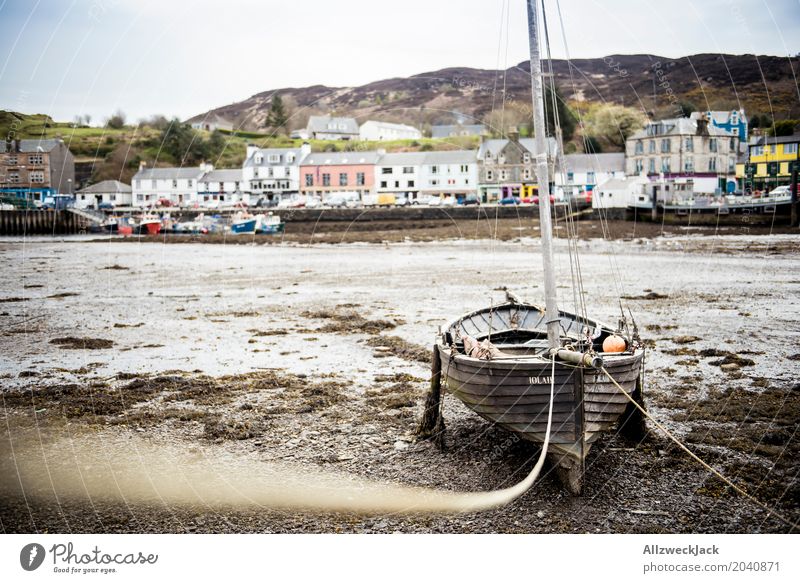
(526, 174)
(138, 185)
(343, 179)
(570, 176)
(712, 145)
(651, 166)
(733, 144)
(489, 175)
(434, 169)
(434, 182)
(397, 184)
(688, 164)
(665, 145)
(731, 165)
(465, 168)
(35, 159)
(13, 177)
(383, 184)
(689, 144)
(37, 176)
(757, 151)
(360, 179)
(503, 174)
(411, 184)
(153, 184)
(639, 166)
(639, 147)
(665, 164)
(259, 158)
(712, 164)
(309, 180)
(326, 180)
(526, 158)
(790, 148)
(274, 158)
(174, 184)
(190, 183)
(235, 185)
(255, 172)
(590, 178)
(652, 147)
(386, 170)
(408, 170)
(205, 186)
(221, 187)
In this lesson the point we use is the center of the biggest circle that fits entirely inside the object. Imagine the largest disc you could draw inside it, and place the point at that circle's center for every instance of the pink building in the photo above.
(324, 173)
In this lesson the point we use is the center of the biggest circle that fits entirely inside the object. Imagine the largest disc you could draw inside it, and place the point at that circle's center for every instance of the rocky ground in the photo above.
(316, 357)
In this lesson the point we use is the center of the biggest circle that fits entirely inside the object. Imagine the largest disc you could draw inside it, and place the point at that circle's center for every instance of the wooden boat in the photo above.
(514, 391)
(244, 223)
(505, 361)
(270, 224)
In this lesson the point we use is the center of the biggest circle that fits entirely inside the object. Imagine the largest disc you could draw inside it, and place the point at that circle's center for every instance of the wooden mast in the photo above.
(545, 221)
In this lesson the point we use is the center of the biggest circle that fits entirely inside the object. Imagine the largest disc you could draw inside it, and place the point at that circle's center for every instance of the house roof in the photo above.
(446, 131)
(451, 157)
(496, 145)
(267, 152)
(764, 140)
(403, 159)
(341, 158)
(168, 173)
(33, 146)
(718, 116)
(679, 126)
(395, 126)
(106, 186)
(613, 162)
(222, 175)
(332, 125)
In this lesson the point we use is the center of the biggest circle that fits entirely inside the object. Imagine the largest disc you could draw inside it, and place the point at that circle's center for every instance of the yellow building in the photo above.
(770, 162)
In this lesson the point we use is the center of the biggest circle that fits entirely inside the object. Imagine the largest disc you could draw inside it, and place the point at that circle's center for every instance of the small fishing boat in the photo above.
(516, 364)
(270, 224)
(243, 223)
(148, 225)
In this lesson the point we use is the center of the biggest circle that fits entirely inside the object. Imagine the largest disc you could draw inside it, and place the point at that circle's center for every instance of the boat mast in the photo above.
(545, 222)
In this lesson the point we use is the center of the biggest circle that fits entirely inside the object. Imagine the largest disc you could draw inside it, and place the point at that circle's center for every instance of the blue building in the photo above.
(734, 121)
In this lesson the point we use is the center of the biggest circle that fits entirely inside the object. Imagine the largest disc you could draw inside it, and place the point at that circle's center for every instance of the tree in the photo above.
(277, 118)
(591, 145)
(783, 127)
(615, 123)
(754, 122)
(116, 121)
(566, 118)
(766, 121)
(686, 108)
(87, 119)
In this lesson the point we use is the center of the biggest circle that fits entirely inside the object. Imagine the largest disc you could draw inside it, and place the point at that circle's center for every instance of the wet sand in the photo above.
(316, 357)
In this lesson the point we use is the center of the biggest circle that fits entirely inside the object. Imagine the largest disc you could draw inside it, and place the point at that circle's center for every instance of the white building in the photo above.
(400, 174)
(325, 127)
(451, 173)
(272, 173)
(224, 186)
(211, 123)
(178, 185)
(618, 193)
(380, 131)
(584, 172)
(108, 192)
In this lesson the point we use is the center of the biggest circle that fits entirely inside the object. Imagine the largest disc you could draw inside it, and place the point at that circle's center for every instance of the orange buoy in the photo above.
(614, 343)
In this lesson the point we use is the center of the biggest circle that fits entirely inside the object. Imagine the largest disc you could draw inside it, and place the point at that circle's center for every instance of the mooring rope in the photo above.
(694, 456)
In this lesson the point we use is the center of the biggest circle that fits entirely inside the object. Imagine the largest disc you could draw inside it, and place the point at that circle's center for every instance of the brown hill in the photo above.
(759, 84)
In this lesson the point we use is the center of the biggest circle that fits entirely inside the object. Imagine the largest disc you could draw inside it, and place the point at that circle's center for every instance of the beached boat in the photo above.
(243, 223)
(148, 225)
(269, 224)
(515, 364)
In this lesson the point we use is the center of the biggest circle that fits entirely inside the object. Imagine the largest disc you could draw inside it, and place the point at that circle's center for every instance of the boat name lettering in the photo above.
(540, 380)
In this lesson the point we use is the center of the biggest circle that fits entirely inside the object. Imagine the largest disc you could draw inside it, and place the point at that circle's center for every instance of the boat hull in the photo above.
(248, 226)
(514, 392)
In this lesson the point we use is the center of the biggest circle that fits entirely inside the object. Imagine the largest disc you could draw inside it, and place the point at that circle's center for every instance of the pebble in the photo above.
(400, 445)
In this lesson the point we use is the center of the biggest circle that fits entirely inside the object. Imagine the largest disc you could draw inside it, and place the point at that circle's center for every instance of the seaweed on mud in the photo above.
(116, 267)
(648, 296)
(401, 348)
(348, 322)
(74, 343)
(226, 428)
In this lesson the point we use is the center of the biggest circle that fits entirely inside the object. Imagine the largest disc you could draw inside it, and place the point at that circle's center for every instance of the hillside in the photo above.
(707, 81)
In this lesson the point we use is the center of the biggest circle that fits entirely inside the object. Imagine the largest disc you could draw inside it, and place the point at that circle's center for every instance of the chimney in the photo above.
(251, 149)
(513, 135)
(142, 165)
(16, 146)
(702, 126)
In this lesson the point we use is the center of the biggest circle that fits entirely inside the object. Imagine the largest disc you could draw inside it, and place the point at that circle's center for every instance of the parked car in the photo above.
(312, 202)
(470, 200)
(105, 206)
(510, 200)
(536, 199)
(58, 202)
(165, 202)
(449, 201)
(211, 204)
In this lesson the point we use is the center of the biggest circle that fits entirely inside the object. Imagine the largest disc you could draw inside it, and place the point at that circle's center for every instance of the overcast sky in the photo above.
(68, 57)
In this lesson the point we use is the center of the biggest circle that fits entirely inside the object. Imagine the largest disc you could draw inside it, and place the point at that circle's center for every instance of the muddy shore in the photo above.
(317, 357)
